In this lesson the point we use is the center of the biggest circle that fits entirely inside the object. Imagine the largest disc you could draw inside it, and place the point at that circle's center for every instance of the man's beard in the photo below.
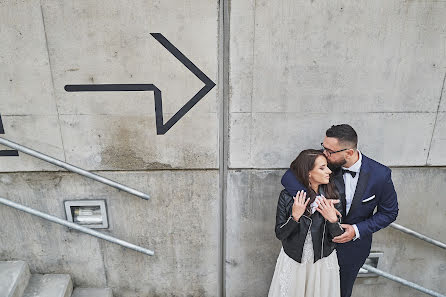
(337, 165)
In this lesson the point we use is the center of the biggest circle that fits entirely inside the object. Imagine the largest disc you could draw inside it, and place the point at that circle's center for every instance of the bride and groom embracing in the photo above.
(325, 217)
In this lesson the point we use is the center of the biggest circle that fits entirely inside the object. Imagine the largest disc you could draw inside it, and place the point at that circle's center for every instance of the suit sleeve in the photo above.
(387, 209)
(285, 224)
(290, 183)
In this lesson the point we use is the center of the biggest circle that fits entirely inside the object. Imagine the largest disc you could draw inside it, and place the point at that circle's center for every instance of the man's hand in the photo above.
(348, 235)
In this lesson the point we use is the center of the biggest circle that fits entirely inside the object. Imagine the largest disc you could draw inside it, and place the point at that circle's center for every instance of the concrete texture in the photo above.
(14, 277)
(251, 211)
(91, 43)
(317, 57)
(441, 103)
(289, 71)
(112, 44)
(251, 207)
(437, 154)
(25, 76)
(49, 285)
(130, 142)
(298, 67)
(92, 292)
(273, 140)
(37, 132)
(180, 223)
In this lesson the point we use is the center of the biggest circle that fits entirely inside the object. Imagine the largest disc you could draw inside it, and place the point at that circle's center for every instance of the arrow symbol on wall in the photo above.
(6, 153)
(161, 127)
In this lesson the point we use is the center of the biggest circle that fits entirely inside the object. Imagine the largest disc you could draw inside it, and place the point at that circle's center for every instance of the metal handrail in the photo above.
(72, 168)
(76, 226)
(369, 268)
(418, 235)
(402, 281)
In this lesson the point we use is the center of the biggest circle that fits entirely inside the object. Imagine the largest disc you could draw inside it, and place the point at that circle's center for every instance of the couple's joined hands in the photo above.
(327, 210)
(324, 206)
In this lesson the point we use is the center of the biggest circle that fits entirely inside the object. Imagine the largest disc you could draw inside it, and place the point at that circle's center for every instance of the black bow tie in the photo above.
(348, 171)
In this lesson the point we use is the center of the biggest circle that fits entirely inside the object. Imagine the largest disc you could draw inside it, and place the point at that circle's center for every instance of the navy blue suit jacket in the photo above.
(374, 190)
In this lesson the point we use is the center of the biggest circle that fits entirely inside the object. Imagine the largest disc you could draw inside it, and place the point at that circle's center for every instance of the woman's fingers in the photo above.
(297, 198)
(300, 197)
(327, 202)
(323, 203)
(330, 202)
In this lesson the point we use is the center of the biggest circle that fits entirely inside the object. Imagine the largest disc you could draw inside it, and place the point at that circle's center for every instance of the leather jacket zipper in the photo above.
(311, 221)
(309, 229)
(323, 236)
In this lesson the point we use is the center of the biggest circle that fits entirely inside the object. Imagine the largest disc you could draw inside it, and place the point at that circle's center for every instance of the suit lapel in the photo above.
(339, 182)
(364, 175)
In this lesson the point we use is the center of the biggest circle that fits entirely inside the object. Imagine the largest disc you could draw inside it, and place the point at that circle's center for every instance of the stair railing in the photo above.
(75, 226)
(400, 280)
(418, 235)
(72, 168)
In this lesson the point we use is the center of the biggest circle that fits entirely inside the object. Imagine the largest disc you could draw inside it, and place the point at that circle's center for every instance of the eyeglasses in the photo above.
(330, 152)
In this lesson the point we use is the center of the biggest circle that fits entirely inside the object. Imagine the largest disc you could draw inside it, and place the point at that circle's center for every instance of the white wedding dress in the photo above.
(306, 279)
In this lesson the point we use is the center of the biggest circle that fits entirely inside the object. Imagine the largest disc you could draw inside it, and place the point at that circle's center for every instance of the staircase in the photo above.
(17, 281)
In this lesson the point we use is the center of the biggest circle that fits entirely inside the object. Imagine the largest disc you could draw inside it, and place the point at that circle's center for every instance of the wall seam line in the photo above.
(223, 94)
(435, 122)
(52, 81)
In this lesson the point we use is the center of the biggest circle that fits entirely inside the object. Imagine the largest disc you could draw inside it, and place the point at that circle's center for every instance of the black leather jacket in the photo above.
(293, 233)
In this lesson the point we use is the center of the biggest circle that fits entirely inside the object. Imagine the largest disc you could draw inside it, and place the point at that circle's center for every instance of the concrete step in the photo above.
(92, 292)
(14, 277)
(49, 285)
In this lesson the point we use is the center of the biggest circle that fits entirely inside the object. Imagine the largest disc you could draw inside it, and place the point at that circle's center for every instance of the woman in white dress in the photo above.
(307, 265)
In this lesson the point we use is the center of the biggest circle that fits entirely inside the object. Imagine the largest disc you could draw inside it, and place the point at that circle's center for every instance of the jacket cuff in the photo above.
(357, 235)
(335, 228)
(290, 221)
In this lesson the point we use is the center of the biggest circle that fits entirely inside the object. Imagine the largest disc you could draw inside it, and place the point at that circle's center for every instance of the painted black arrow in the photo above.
(6, 153)
(161, 127)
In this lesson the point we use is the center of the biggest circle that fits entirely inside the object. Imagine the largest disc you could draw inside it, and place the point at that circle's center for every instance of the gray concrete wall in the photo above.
(179, 224)
(252, 200)
(295, 68)
(49, 44)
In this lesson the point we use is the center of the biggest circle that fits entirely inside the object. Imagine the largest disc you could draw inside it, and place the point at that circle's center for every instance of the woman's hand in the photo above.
(327, 210)
(299, 205)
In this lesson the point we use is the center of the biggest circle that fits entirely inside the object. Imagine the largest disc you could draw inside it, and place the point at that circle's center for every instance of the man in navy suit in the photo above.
(364, 185)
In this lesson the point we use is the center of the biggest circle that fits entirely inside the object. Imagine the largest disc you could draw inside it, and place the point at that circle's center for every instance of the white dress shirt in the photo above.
(350, 183)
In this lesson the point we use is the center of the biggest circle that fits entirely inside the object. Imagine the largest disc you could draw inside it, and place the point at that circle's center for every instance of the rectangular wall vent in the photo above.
(89, 213)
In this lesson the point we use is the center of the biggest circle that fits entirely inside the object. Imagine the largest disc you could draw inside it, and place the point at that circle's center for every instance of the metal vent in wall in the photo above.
(373, 261)
(89, 213)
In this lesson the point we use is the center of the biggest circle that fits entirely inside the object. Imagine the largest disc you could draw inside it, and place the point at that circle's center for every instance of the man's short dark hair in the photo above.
(344, 133)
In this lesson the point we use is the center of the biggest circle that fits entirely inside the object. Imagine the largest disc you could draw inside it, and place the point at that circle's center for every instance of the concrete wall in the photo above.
(298, 67)
(176, 226)
(295, 68)
(49, 44)
(252, 198)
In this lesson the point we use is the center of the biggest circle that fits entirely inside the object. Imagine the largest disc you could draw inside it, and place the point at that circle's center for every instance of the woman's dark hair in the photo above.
(343, 133)
(301, 167)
